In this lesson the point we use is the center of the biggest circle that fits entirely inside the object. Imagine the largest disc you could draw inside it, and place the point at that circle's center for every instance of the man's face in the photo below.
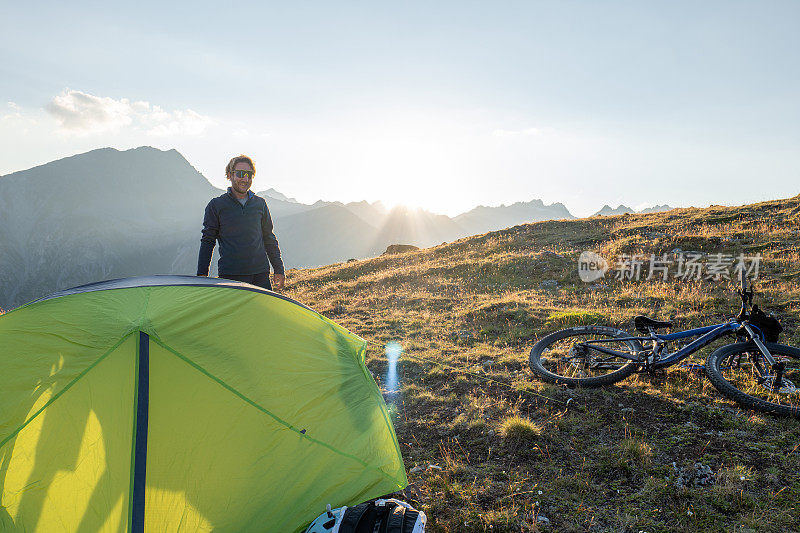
(241, 185)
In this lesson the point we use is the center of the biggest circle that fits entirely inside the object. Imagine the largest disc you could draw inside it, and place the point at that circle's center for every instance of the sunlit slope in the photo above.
(508, 456)
(524, 261)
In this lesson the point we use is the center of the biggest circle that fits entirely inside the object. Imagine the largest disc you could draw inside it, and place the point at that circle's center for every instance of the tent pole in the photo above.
(140, 452)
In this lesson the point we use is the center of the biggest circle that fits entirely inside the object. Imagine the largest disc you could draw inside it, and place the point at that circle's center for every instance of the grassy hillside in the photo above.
(485, 453)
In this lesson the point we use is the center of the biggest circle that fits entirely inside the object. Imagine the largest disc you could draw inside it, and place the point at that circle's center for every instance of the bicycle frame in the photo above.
(743, 369)
(706, 335)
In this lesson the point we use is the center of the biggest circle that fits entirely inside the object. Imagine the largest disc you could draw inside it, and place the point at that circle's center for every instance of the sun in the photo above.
(392, 202)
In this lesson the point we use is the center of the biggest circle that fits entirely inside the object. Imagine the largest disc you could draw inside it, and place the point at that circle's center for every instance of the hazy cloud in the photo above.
(178, 122)
(14, 111)
(14, 120)
(84, 113)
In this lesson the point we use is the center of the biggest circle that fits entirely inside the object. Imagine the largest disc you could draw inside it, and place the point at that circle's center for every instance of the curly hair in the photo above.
(241, 158)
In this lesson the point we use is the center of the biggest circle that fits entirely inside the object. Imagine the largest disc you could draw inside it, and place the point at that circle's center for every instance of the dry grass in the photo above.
(479, 304)
(520, 430)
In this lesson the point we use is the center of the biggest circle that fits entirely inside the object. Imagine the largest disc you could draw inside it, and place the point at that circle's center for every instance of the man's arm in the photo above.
(271, 246)
(208, 240)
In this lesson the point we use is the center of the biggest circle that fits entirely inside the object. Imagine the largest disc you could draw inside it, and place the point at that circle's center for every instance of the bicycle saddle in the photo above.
(641, 323)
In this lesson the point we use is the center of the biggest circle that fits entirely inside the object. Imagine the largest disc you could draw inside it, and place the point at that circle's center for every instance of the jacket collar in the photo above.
(250, 194)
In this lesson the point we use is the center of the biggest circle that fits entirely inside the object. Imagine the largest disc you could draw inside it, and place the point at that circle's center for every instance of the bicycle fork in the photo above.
(777, 367)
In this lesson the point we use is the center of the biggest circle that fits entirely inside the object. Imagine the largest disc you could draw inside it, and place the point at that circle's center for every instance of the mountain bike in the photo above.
(754, 371)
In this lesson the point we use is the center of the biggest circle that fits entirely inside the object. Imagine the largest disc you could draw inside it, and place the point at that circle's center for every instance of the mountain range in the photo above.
(607, 210)
(109, 214)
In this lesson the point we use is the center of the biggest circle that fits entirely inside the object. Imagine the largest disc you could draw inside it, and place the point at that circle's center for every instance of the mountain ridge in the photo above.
(115, 213)
(621, 209)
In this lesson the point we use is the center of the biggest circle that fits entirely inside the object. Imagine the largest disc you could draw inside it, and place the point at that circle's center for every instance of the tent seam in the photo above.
(145, 305)
(271, 414)
(64, 390)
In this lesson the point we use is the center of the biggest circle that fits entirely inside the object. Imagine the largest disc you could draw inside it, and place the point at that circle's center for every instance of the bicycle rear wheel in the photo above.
(569, 357)
(740, 372)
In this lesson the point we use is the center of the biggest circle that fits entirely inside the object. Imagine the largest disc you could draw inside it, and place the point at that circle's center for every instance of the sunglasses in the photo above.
(246, 174)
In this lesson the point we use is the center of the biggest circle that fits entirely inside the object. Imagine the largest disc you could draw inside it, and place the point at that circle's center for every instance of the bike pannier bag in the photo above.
(768, 324)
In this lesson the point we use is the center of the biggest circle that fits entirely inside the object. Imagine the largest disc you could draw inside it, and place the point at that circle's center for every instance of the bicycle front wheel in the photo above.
(573, 356)
(740, 372)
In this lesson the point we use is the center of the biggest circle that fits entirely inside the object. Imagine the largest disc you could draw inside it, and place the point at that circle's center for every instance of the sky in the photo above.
(441, 105)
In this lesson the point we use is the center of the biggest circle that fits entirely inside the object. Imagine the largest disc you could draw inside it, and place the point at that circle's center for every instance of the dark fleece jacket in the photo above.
(244, 232)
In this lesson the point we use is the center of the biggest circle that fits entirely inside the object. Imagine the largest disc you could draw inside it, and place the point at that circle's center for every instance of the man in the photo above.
(240, 221)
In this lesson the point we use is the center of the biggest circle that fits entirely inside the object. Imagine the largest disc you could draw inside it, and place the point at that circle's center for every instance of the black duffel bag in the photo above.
(384, 516)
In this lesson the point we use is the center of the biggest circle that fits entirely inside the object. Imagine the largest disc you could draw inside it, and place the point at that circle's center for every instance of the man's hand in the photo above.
(278, 281)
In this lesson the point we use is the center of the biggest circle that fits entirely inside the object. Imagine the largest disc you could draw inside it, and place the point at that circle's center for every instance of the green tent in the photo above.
(177, 403)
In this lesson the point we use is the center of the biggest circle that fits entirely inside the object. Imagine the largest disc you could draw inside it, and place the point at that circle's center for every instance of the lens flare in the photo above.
(393, 353)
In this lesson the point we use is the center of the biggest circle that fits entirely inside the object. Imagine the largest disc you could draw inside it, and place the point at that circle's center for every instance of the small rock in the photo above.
(421, 468)
(542, 519)
(393, 249)
(549, 284)
(698, 475)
